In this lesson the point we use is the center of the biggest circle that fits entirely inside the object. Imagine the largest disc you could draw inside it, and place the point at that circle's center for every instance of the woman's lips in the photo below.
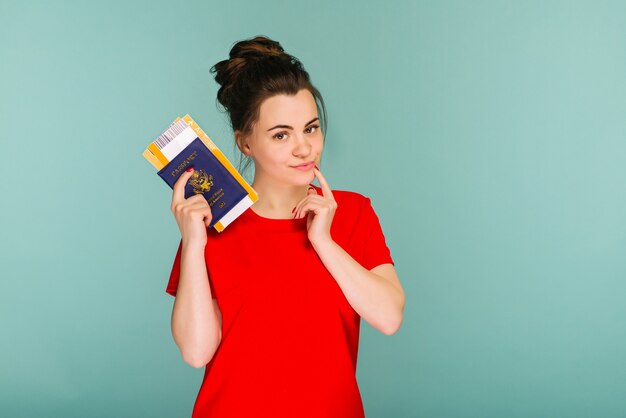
(305, 167)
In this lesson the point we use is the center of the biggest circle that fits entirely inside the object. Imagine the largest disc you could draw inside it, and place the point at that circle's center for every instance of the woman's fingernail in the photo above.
(317, 168)
(293, 210)
(190, 169)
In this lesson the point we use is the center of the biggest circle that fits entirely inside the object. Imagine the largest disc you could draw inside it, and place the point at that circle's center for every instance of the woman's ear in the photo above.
(242, 143)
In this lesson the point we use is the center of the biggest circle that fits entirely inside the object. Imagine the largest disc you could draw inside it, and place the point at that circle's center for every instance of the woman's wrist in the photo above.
(322, 244)
(193, 245)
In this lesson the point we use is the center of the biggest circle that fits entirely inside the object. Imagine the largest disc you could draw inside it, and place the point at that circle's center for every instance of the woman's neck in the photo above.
(275, 200)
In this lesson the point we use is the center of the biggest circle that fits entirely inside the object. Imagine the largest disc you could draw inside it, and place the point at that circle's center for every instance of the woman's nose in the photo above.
(302, 146)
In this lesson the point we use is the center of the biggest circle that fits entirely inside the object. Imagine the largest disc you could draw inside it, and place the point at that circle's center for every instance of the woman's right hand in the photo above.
(193, 215)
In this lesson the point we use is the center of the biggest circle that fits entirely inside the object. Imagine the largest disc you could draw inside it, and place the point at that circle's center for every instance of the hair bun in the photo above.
(257, 48)
(243, 55)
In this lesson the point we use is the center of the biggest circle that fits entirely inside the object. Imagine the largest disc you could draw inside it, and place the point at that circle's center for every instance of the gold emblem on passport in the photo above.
(201, 181)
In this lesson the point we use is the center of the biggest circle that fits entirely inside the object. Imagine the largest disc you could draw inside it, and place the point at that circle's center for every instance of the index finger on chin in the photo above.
(324, 184)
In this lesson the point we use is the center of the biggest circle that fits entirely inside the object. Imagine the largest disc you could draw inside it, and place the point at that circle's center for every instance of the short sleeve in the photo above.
(375, 250)
(172, 284)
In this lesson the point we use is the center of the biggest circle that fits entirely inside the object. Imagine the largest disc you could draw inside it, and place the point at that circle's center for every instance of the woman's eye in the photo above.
(280, 136)
(312, 128)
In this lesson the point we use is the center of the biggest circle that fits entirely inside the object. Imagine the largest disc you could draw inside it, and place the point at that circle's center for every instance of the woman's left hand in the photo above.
(319, 209)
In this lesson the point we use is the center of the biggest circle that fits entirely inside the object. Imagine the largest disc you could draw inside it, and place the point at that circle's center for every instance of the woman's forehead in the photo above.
(284, 109)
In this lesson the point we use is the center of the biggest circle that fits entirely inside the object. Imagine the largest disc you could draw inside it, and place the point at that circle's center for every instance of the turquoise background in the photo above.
(489, 135)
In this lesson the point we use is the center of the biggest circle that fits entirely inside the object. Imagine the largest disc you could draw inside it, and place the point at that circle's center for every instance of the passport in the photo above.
(184, 144)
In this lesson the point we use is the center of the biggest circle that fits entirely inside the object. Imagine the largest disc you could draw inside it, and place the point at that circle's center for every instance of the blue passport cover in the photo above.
(210, 178)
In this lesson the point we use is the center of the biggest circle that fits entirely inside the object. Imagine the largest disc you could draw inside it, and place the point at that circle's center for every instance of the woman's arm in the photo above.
(196, 318)
(376, 295)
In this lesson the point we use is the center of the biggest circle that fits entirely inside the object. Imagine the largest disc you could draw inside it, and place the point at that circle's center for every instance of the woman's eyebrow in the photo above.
(291, 127)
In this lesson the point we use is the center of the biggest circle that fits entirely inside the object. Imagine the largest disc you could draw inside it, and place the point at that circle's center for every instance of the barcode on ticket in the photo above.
(172, 132)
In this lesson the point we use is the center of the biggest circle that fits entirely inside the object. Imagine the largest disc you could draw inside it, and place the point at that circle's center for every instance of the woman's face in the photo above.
(286, 141)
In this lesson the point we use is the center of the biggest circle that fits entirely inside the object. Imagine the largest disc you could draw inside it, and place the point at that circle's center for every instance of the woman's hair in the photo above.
(258, 69)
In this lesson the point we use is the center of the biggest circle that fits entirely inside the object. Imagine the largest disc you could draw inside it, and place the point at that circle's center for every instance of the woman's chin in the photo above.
(305, 180)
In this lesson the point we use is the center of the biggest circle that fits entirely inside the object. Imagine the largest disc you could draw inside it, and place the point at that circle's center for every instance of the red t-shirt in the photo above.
(289, 336)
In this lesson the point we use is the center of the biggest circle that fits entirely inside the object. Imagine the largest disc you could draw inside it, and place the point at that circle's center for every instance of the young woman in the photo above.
(272, 304)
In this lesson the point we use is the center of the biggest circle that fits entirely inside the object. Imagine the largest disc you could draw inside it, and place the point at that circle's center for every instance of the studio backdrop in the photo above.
(489, 135)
